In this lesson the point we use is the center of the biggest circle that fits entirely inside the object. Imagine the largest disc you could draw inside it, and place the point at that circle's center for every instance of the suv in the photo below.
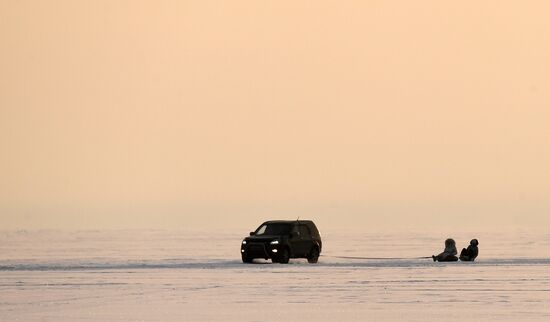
(281, 240)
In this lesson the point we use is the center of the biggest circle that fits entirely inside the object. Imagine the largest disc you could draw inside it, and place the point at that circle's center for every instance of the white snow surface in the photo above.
(157, 275)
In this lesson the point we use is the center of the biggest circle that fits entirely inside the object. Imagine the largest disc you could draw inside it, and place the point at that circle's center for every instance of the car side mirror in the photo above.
(252, 233)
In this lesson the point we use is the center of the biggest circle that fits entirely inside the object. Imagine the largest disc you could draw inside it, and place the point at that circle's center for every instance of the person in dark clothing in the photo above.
(449, 254)
(469, 254)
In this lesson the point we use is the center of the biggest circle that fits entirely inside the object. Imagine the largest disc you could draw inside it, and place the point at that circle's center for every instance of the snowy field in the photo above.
(196, 276)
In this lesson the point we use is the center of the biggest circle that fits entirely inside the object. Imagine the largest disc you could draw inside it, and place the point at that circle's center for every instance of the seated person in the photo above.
(449, 254)
(469, 254)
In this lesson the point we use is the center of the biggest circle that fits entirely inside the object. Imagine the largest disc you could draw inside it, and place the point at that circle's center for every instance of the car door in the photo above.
(304, 241)
(295, 240)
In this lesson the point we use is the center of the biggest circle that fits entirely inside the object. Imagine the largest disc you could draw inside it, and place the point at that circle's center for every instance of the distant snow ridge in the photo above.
(231, 264)
(109, 265)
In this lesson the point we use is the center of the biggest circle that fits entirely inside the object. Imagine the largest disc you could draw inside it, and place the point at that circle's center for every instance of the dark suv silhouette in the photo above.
(281, 240)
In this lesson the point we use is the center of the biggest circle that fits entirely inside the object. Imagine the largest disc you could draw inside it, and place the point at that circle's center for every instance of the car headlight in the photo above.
(274, 242)
(244, 242)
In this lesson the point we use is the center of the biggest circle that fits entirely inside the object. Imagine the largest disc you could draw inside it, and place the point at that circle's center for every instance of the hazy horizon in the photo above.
(197, 114)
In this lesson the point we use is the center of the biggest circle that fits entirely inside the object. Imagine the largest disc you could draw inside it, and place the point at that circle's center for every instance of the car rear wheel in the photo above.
(313, 256)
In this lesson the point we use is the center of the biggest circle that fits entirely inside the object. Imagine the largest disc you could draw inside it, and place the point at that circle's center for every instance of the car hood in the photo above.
(263, 238)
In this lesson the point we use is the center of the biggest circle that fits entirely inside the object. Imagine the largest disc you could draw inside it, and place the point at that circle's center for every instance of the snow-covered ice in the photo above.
(155, 275)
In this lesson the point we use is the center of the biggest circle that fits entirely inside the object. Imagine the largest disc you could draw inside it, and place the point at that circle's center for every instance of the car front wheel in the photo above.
(284, 257)
(246, 259)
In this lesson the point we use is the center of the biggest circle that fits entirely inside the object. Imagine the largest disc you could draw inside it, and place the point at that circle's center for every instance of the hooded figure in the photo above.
(449, 254)
(469, 254)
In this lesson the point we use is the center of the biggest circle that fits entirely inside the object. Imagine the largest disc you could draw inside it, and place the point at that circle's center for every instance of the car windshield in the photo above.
(273, 229)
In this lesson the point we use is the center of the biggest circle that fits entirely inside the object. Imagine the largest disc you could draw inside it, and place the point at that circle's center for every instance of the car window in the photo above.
(261, 230)
(274, 229)
(304, 231)
(314, 231)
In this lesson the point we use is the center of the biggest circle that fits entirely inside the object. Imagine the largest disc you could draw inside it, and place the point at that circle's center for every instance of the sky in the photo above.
(212, 114)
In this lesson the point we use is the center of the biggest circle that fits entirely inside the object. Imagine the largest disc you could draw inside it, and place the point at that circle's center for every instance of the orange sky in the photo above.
(175, 114)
